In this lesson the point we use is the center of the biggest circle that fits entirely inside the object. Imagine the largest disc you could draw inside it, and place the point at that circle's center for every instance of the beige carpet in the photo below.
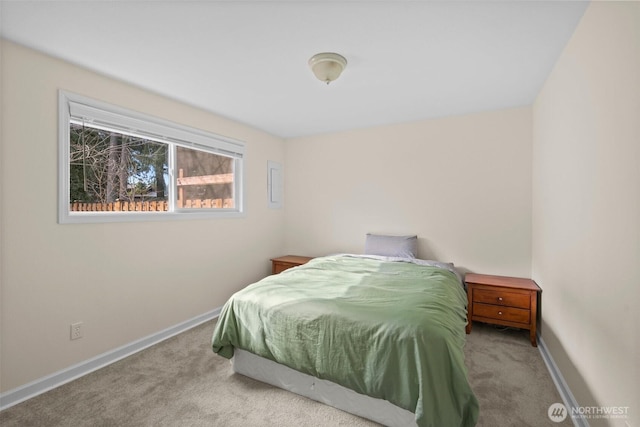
(181, 382)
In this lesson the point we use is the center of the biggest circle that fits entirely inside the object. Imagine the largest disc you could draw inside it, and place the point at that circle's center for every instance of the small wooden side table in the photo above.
(500, 300)
(280, 264)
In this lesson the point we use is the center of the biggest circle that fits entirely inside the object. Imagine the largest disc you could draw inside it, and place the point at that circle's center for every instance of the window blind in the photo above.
(136, 124)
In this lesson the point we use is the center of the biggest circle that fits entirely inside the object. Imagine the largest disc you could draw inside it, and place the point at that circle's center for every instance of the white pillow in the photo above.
(393, 246)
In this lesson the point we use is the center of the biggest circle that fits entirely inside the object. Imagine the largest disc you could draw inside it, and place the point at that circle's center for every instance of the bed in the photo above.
(357, 330)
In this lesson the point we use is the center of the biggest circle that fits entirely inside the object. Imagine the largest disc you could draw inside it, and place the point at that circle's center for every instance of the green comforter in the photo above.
(390, 330)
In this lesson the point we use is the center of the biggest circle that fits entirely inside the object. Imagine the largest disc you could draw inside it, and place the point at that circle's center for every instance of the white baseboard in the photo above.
(27, 391)
(563, 388)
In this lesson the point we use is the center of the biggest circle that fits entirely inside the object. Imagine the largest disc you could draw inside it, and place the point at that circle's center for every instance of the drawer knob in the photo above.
(500, 312)
(499, 298)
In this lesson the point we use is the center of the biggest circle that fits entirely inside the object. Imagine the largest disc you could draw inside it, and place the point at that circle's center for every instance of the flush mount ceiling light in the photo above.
(327, 66)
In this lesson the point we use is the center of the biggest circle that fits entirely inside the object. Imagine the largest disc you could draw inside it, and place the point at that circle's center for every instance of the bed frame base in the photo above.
(327, 392)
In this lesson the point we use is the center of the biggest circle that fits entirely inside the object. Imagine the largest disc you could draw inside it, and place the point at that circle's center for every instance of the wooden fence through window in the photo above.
(150, 206)
(163, 206)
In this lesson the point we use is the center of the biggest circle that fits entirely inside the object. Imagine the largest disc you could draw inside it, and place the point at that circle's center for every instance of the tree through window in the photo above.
(107, 166)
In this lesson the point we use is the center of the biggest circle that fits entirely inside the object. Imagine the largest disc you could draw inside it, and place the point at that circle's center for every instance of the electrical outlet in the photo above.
(76, 330)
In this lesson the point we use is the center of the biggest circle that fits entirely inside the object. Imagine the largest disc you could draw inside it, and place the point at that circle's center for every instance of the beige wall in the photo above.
(462, 184)
(125, 280)
(586, 208)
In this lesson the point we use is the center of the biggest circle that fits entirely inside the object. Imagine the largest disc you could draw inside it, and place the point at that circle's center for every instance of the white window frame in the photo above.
(72, 105)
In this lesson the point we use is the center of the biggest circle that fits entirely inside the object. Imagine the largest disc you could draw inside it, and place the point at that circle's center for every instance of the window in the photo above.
(119, 165)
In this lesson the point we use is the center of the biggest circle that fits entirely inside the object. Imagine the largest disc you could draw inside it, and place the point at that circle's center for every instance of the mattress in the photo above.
(327, 392)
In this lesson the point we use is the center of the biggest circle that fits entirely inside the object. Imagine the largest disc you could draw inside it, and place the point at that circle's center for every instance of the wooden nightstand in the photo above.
(280, 264)
(507, 301)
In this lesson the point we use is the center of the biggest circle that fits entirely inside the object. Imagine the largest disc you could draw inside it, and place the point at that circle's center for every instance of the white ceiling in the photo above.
(247, 60)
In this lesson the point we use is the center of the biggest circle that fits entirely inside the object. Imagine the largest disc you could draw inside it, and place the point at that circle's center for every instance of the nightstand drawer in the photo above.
(279, 267)
(280, 264)
(500, 297)
(501, 313)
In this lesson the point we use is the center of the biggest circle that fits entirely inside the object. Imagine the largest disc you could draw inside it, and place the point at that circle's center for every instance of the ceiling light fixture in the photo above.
(327, 66)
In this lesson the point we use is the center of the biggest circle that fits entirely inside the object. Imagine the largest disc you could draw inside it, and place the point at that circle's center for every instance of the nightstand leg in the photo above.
(469, 308)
